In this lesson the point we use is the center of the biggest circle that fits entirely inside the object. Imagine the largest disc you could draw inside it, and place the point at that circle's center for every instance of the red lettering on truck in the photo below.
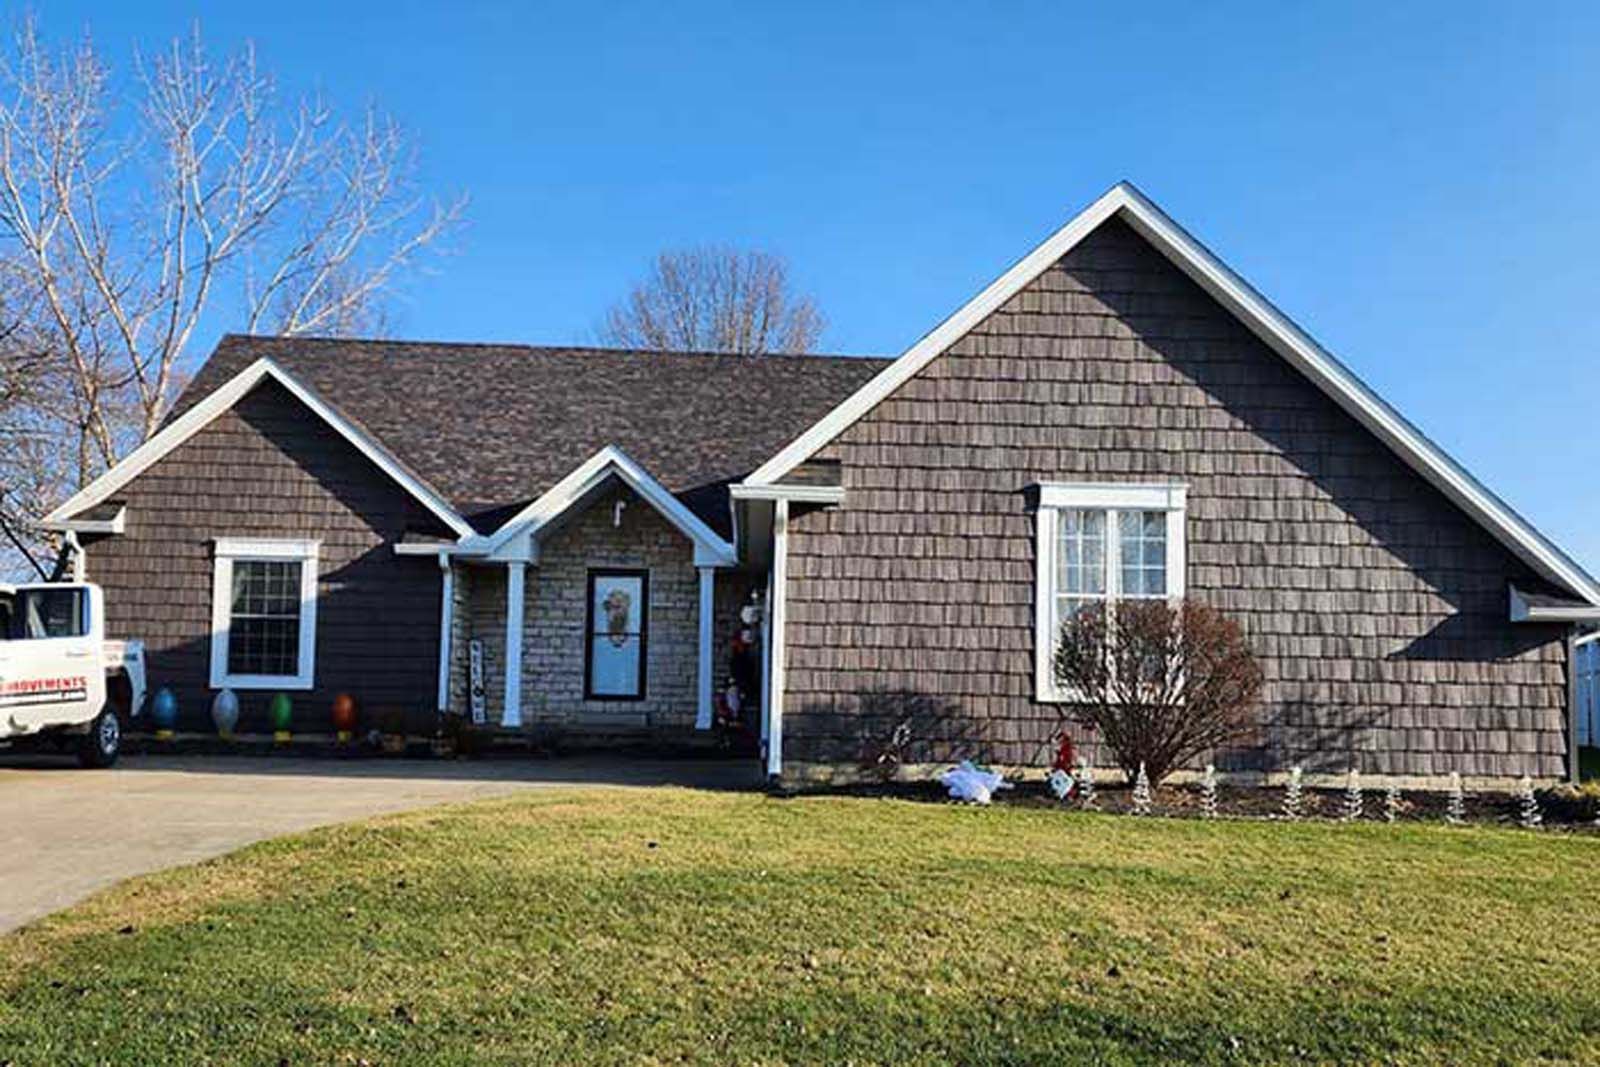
(43, 685)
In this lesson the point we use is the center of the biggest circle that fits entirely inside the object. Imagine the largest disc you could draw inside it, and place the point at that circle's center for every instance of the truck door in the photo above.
(50, 665)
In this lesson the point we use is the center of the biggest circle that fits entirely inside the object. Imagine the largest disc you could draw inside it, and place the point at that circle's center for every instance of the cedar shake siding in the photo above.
(269, 468)
(1377, 608)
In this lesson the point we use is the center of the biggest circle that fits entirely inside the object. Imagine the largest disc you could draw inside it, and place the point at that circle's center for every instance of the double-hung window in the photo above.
(1100, 543)
(264, 614)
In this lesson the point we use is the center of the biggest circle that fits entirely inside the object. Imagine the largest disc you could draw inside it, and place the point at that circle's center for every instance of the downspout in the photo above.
(1574, 773)
(1575, 641)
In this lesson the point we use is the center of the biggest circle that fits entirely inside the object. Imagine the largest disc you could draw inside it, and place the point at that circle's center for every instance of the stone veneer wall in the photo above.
(485, 615)
(555, 618)
(460, 634)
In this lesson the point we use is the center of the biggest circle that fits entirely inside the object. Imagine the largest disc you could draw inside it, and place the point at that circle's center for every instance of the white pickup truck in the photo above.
(62, 684)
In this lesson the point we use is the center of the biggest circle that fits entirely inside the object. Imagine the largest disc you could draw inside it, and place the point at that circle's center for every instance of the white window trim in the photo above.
(1054, 497)
(230, 550)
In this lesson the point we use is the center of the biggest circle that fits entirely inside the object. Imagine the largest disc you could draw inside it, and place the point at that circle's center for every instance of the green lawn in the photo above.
(669, 926)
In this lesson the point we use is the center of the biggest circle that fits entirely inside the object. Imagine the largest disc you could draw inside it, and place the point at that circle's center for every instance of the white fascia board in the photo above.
(710, 550)
(1266, 321)
(115, 525)
(411, 548)
(797, 494)
(467, 546)
(222, 399)
(1522, 611)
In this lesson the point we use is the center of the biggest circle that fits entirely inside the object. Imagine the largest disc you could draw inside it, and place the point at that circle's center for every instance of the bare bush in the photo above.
(1163, 683)
(715, 300)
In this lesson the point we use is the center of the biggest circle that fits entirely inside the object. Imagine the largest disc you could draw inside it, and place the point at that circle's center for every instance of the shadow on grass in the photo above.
(579, 770)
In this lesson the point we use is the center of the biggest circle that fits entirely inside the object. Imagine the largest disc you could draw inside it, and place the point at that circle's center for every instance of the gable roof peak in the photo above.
(1255, 312)
(222, 399)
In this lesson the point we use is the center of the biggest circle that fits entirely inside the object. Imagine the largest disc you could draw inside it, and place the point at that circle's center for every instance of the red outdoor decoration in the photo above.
(1066, 755)
(344, 715)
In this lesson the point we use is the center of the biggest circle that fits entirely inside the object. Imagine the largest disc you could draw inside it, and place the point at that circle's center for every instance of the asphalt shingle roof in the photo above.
(491, 427)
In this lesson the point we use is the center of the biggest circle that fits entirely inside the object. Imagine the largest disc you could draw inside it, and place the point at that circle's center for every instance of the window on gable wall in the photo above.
(263, 614)
(1100, 543)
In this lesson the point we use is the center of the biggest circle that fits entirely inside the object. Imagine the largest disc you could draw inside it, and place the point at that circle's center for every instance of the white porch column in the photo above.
(775, 635)
(516, 575)
(447, 612)
(708, 583)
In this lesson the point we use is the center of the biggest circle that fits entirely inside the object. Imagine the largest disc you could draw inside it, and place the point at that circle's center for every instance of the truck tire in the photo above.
(101, 746)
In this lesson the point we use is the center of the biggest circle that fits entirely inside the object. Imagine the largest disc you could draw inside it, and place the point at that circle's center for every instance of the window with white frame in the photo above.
(264, 614)
(1099, 543)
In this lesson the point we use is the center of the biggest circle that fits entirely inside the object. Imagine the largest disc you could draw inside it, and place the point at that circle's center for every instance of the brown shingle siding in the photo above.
(1377, 607)
(269, 469)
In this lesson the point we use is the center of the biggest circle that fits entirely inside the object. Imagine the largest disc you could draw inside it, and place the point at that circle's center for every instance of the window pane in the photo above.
(266, 588)
(1155, 553)
(1066, 606)
(618, 604)
(614, 666)
(1143, 551)
(1082, 552)
(51, 613)
(264, 646)
(264, 627)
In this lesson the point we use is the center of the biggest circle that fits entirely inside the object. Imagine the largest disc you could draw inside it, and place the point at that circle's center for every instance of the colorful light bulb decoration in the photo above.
(164, 713)
(225, 713)
(279, 712)
(344, 716)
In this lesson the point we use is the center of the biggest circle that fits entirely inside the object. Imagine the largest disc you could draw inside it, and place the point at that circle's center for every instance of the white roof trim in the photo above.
(1256, 312)
(116, 524)
(1522, 611)
(414, 548)
(220, 400)
(799, 494)
(611, 461)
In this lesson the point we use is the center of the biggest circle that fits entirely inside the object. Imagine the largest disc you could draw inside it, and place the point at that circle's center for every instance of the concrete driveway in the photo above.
(66, 833)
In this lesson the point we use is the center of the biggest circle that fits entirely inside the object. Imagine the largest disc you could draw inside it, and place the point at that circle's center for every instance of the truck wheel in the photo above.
(103, 743)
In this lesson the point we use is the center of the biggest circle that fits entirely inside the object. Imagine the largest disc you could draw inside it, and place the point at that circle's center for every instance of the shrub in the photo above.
(1572, 803)
(1162, 682)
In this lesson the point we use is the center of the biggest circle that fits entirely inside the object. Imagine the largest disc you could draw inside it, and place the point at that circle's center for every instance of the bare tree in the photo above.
(715, 299)
(134, 210)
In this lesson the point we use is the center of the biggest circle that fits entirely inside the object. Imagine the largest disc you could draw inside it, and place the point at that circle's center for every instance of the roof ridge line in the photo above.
(551, 349)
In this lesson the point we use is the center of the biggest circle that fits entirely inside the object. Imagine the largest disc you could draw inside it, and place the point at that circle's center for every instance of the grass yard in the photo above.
(676, 927)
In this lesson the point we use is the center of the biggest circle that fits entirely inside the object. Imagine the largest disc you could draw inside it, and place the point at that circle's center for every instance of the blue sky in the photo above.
(1415, 184)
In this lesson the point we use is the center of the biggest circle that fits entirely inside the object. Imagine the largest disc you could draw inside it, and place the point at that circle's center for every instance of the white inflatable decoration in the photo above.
(971, 783)
(1060, 783)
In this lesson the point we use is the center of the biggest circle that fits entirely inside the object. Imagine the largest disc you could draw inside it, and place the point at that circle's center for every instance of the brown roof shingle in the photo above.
(493, 426)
